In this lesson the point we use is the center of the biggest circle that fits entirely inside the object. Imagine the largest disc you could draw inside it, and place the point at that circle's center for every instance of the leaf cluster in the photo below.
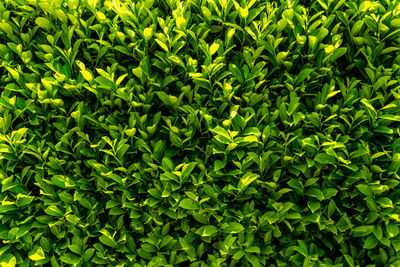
(199, 133)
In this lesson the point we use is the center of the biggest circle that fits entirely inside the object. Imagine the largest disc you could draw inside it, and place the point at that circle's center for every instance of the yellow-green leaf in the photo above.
(36, 254)
(214, 48)
(244, 12)
(87, 75)
(148, 33)
(162, 45)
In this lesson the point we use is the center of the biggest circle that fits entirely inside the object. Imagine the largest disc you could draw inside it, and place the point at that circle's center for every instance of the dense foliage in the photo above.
(201, 133)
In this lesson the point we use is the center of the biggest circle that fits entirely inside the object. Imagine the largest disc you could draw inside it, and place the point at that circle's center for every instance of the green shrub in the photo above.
(199, 133)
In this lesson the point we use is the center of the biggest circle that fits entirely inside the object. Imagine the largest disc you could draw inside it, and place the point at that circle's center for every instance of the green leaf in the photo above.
(107, 241)
(395, 23)
(365, 189)
(330, 192)
(207, 230)
(371, 242)
(238, 255)
(187, 170)
(206, 13)
(356, 27)
(189, 204)
(43, 23)
(136, 71)
(349, 260)
(221, 131)
(363, 230)
(168, 164)
(324, 158)
(302, 76)
(63, 181)
(165, 98)
(54, 211)
(385, 202)
(5, 27)
(253, 260)
(252, 131)
(218, 165)
(70, 258)
(392, 230)
(88, 254)
(236, 73)
(222, 135)
(314, 192)
(338, 53)
(314, 206)
(253, 250)
(232, 228)
(248, 178)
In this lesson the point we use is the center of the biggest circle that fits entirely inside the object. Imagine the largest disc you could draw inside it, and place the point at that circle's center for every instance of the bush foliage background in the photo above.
(201, 133)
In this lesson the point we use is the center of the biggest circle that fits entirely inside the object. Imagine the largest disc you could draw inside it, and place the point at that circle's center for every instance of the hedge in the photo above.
(199, 133)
